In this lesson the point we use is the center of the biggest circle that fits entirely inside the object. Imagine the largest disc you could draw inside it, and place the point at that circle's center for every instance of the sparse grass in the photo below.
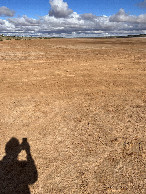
(8, 38)
(46, 38)
(18, 38)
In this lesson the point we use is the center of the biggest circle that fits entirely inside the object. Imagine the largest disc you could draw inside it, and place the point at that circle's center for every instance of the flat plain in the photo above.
(81, 105)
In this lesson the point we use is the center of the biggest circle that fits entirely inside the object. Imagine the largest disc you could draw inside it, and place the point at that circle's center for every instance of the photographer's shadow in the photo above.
(15, 175)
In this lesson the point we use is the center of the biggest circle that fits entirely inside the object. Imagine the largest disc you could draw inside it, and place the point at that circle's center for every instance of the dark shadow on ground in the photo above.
(15, 175)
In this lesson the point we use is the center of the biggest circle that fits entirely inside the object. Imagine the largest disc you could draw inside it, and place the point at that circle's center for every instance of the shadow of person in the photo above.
(15, 175)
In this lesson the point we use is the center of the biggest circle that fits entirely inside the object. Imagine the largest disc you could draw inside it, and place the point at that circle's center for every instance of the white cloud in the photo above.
(5, 26)
(61, 21)
(122, 16)
(24, 21)
(88, 16)
(59, 9)
(4, 11)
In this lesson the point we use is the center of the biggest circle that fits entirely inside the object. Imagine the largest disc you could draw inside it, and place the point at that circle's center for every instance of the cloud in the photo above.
(75, 25)
(88, 16)
(4, 11)
(142, 4)
(122, 16)
(62, 21)
(59, 9)
(24, 21)
(5, 26)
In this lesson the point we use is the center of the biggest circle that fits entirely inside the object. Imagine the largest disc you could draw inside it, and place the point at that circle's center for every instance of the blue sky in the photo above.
(105, 7)
(72, 17)
(35, 8)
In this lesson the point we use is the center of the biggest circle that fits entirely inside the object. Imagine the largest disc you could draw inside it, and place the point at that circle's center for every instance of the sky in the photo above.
(72, 18)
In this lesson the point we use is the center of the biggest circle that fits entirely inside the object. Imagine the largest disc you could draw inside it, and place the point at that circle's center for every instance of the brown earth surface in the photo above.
(81, 104)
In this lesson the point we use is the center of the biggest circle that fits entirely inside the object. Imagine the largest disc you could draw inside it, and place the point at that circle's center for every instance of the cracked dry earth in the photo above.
(81, 105)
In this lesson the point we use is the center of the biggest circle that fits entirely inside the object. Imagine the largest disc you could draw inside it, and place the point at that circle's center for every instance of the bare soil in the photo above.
(81, 103)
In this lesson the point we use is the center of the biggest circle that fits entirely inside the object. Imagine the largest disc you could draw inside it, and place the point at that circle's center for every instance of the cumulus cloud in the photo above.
(75, 25)
(24, 21)
(122, 16)
(4, 11)
(62, 21)
(142, 4)
(88, 16)
(59, 9)
(5, 26)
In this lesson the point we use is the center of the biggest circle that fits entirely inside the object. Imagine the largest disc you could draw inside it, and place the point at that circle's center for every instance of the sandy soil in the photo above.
(81, 104)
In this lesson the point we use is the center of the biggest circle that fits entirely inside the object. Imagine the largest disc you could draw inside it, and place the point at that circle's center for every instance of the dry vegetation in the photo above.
(81, 104)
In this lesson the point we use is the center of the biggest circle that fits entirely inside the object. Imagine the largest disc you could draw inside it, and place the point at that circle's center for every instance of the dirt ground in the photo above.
(81, 105)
